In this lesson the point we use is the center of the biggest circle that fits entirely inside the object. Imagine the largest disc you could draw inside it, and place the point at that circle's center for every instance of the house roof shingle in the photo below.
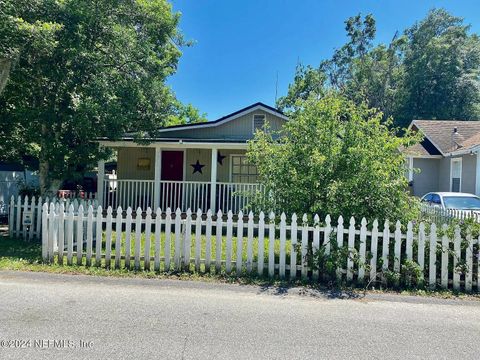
(442, 136)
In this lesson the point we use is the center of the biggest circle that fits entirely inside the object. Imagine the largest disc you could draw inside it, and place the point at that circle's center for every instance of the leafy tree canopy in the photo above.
(334, 157)
(431, 71)
(101, 72)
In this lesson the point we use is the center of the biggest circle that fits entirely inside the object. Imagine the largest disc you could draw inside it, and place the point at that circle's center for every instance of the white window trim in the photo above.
(459, 160)
(410, 168)
(253, 120)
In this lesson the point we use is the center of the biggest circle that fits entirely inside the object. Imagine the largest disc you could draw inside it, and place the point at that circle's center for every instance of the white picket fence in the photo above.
(19, 207)
(255, 245)
(440, 216)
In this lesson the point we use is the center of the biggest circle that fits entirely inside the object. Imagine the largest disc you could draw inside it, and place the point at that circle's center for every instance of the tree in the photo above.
(441, 70)
(334, 157)
(104, 74)
(16, 33)
(432, 71)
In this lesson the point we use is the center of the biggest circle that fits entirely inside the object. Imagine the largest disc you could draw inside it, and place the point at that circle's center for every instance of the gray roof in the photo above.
(442, 135)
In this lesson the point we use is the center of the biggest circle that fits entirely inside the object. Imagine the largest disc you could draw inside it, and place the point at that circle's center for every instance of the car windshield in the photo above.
(461, 202)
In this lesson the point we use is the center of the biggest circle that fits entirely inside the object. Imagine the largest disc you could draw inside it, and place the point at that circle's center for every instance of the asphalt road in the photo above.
(44, 316)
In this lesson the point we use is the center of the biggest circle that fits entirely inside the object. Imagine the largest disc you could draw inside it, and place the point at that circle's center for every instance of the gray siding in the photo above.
(469, 164)
(237, 129)
(425, 178)
(444, 175)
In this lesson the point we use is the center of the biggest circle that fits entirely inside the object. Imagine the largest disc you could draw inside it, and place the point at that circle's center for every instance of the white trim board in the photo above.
(458, 160)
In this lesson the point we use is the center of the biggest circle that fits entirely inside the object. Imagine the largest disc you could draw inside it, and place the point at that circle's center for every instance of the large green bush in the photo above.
(337, 158)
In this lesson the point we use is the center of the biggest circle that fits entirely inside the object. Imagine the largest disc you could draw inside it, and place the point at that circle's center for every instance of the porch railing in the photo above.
(178, 194)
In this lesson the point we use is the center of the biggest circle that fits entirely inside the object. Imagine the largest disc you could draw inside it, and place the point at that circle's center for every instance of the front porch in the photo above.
(179, 175)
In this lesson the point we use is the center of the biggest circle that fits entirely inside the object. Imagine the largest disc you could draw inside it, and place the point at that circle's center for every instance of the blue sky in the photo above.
(241, 45)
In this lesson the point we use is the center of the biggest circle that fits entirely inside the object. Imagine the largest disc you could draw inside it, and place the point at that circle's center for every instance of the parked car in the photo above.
(452, 200)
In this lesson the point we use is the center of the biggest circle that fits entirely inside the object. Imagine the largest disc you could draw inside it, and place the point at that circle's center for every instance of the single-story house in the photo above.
(188, 166)
(448, 158)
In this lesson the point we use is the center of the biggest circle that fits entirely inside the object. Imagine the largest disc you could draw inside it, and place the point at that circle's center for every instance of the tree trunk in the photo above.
(5, 66)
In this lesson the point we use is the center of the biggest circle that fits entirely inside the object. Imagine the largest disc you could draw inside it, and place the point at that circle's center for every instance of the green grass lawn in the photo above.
(17, 254)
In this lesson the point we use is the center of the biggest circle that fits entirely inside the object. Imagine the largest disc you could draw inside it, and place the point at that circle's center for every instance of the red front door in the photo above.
(172, 174)
(172, 165)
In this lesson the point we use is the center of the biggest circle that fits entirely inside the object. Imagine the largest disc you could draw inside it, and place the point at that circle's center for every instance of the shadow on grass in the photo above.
(16, 249)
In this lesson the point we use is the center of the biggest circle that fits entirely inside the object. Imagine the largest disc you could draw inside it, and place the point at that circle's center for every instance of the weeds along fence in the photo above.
(25, 214)
(417, 254)
(447, 216)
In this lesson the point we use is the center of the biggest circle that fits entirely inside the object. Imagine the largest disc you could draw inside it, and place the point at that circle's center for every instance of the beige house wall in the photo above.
(127, 161)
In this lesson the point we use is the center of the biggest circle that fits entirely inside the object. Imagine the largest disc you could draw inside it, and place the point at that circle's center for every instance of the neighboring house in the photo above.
(189, 166)
(11, 177)
(448, 158)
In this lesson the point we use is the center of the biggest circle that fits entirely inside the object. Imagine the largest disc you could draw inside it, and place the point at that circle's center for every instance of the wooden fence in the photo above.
(21, 207)
(259, 245)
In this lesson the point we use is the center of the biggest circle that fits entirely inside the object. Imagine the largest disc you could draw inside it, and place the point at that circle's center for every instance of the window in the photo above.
(462, 202)
(242, 172)
(258, 122)
(436, 199)
(427, 198)
(456, 175)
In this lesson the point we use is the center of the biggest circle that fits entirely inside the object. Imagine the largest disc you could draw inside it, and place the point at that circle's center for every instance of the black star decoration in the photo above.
(197, 167)
(220, 158)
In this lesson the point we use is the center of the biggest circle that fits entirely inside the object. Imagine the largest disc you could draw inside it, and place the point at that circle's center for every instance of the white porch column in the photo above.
(100, 181)
(477, 175)
(158, 176)
(213, 180)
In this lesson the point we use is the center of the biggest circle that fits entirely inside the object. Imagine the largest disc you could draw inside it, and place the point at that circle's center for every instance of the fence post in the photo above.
(374, 251)
(158, 232)
(61, 233)
(271, 245)
(208, 242)
(98, 237)
(304, 246)
(316, 243)
(351, 248)
(218, 243)
(51, 233)
(432, 267)
(118, 237)
(456, 258)
(198, 239)
(327, 234)
(250, 242)
(469, 261)
(168, 233)
(45, 232)
(339, 243)
(178, 235)
(283, 241)
(89, 235)
(239, 256)
(187, 251)
(293, 247)
(138, 238)
(363, 250)
(148, 235)
(19, 216)
(11, 216)
(261, 249)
